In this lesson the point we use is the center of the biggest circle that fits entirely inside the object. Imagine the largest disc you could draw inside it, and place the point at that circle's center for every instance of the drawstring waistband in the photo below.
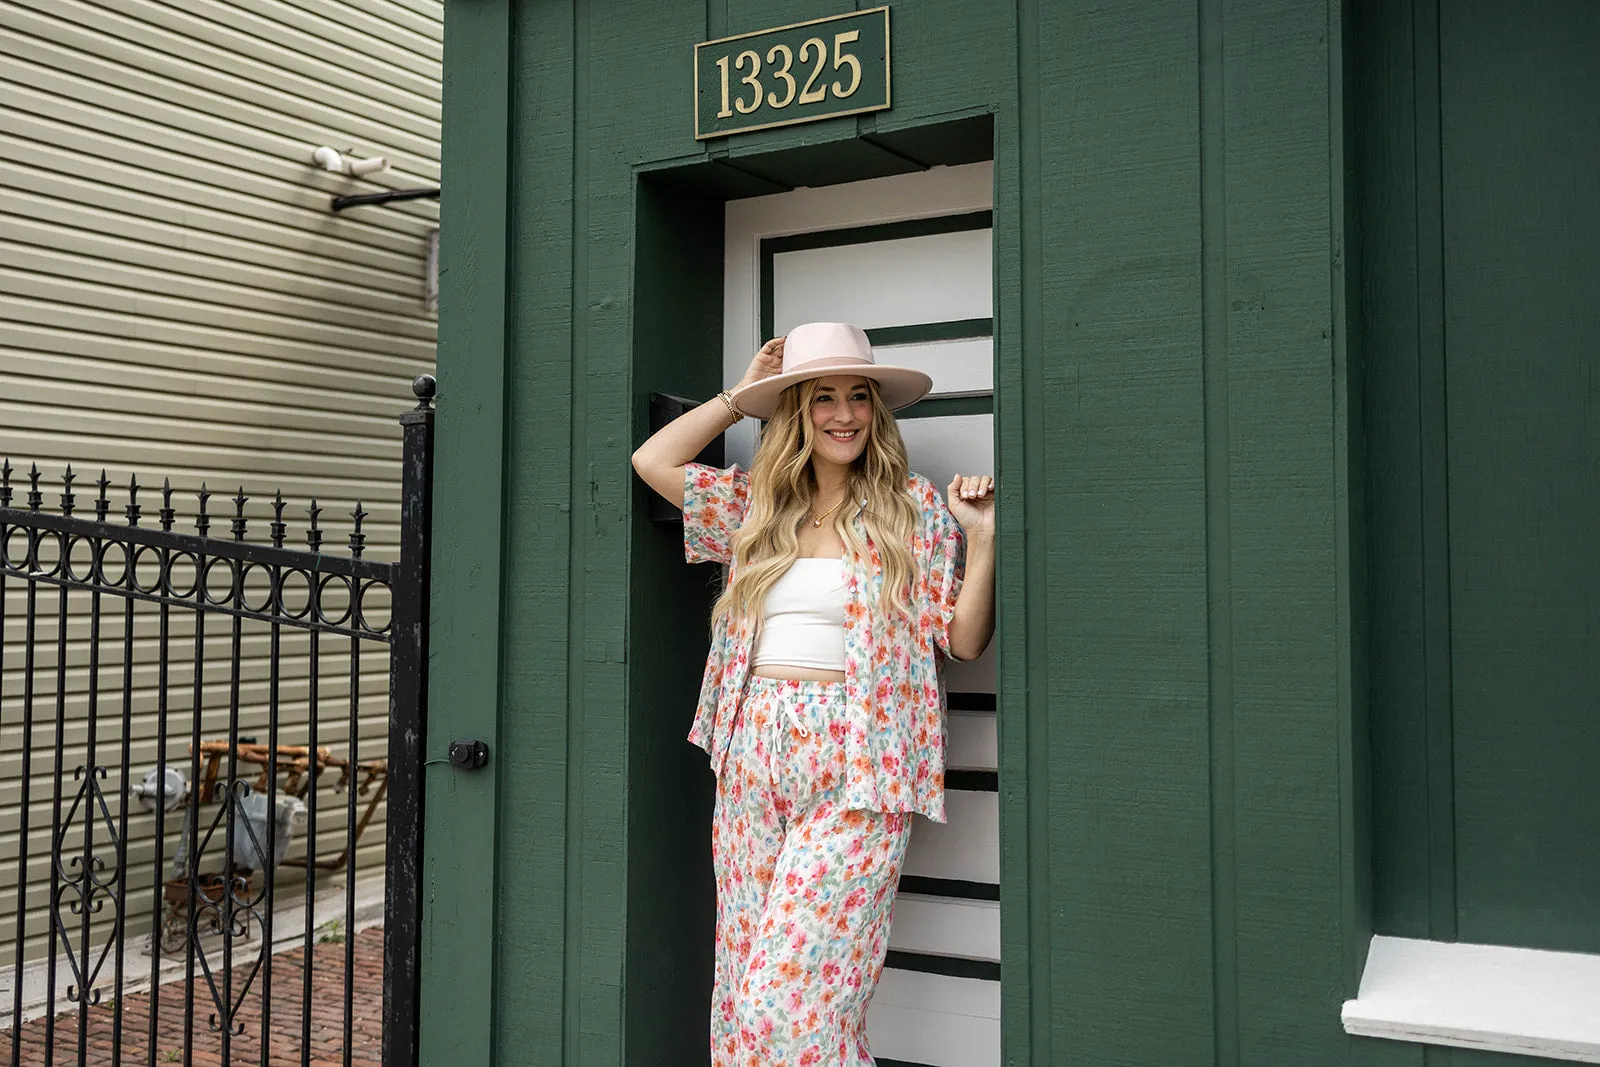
(789, 705)
(794, 694)
(793, 697)
(791, 708)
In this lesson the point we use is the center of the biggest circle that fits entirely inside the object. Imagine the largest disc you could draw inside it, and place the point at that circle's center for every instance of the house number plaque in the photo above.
(801, 73)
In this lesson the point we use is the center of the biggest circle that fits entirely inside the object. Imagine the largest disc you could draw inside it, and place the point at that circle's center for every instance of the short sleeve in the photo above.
(946, 568)
(714, 505)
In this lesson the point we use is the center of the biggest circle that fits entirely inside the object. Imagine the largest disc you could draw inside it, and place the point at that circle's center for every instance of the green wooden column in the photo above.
(459, 893)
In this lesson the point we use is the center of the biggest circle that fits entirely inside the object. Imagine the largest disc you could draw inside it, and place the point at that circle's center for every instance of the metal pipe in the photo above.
(342, 202)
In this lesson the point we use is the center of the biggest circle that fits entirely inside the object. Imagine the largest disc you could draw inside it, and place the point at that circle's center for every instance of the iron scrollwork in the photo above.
(236, 825)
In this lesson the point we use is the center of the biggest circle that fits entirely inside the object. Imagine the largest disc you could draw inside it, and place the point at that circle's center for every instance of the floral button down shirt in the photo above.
(893, 730)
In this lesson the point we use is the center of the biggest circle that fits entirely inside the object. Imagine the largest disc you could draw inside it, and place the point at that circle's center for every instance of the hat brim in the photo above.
(897, 386)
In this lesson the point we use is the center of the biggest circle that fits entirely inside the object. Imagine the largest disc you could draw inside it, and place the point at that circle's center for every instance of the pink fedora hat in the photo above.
(822, 349)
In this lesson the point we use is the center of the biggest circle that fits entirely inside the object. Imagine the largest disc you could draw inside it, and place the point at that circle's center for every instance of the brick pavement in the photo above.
(286, 1049)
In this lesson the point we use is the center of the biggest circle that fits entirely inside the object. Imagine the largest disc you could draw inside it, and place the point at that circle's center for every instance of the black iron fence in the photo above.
(179, 712)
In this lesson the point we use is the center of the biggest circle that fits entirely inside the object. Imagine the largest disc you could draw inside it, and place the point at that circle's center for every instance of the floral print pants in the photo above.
(805, 886)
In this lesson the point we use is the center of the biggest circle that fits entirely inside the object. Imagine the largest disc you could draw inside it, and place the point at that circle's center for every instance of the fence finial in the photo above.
(358, 540)
(314, 535)
(167, 512)
(5, 483)
(35, 498)
(278, 528)
(238, 515)
(133, 511)
(102, 503)
(424, 387)
(202, 522)
(68, 497)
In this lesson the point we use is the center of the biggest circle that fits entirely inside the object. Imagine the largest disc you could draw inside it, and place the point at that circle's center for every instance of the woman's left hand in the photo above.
(971, 500)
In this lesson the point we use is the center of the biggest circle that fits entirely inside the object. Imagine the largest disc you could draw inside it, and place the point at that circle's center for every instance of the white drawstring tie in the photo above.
(791, 707)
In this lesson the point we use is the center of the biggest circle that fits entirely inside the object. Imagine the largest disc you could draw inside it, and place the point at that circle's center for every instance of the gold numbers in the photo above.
(841, 58)
(726, 112)
(820, 93)
(753, 79)
(788, 79)
(805, 72)
(784, 88)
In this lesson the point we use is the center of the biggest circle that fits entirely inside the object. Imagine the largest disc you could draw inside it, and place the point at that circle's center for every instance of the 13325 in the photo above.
(784, 68)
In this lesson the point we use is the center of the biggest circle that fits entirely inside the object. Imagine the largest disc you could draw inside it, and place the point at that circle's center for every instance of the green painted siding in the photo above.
(1485, 470)
(1522, 330)
(1179, 716)
(1113, 414)
(1475, 167)
(1188, 386)
(542, 507)
(460, 894)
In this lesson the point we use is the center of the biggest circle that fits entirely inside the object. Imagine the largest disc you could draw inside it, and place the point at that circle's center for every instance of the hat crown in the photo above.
(821, 349)
(823, 344)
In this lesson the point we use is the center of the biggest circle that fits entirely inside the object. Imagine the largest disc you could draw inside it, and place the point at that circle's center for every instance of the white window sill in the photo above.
(1518, 1000)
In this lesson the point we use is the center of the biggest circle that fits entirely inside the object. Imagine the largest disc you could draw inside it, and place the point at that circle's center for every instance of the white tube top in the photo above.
(802, 623)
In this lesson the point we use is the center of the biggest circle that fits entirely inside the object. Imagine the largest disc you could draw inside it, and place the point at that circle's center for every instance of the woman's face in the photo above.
(841, 416)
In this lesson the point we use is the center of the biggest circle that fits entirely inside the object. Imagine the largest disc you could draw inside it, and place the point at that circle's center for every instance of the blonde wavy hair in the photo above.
(783, 488)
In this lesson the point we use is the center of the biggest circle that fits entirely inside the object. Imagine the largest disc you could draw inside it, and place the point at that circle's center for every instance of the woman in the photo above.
(822, 706)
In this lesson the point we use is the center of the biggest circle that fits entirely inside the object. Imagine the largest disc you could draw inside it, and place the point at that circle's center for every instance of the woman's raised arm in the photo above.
(661, 459)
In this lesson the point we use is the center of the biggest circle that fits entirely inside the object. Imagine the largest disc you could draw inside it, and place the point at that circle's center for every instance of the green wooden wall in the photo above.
(1181, 691)
(1184, 419)
(1480, 226)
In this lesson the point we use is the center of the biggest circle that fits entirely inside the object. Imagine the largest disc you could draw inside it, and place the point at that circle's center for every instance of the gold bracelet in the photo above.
(727, 400)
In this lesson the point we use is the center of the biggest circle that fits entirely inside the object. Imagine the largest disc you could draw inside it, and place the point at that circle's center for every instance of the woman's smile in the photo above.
(841, 413)
(841, 445)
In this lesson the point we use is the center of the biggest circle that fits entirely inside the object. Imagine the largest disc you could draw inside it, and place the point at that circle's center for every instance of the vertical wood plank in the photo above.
(459, 897)
(1026, 1022)
(596, 751)
(1119, 516)
(535, 720)
(1291, 721)
(1351, 551)
(1388, 199)
(1219, 546)
(1433, 448)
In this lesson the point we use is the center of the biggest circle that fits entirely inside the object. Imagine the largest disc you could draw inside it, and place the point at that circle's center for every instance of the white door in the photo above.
(909, 259)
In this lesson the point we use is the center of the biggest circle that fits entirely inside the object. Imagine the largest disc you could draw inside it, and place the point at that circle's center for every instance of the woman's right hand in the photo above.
(767, 362)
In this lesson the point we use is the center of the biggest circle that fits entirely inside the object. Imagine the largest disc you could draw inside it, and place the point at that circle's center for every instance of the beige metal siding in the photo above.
(178, 300)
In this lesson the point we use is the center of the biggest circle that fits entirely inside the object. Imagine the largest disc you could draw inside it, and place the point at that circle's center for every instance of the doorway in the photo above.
(909, 258)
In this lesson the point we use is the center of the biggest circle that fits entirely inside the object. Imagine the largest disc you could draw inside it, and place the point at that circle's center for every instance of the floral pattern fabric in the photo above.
(805, 886)
(894, 721)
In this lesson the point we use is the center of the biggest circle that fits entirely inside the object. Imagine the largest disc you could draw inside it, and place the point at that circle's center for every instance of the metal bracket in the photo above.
(342, 202)
(664, 407)
(469, 754)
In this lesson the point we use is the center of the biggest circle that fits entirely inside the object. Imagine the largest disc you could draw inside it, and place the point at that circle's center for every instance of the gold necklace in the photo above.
(816, 520)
